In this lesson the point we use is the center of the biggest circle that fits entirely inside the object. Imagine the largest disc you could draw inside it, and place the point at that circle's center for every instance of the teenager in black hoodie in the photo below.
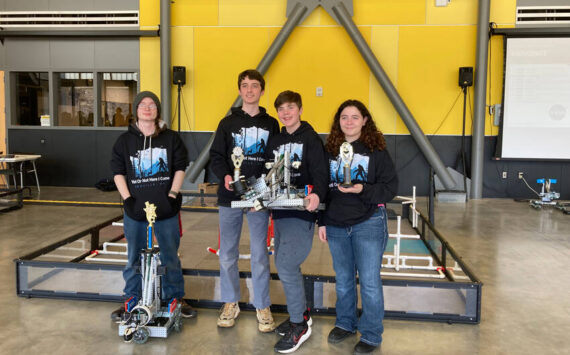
(355, 223)
(248, 127)
(148, 164)
(294, 229)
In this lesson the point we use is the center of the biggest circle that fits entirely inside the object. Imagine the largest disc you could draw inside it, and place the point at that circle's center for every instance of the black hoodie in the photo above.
(375, 171)
(149, 164)
(306, 146)
(249, 133)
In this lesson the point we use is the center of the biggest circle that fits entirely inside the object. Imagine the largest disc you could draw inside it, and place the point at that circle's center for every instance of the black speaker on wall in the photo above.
(465, 76)
(179, 75)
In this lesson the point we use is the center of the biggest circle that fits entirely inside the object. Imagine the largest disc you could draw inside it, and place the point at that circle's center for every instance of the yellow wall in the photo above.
(420, 47)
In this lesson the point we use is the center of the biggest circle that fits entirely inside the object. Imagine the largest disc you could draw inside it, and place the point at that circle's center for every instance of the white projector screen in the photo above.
(536, 116)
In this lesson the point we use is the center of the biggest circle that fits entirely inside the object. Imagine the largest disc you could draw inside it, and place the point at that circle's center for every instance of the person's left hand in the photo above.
(354, 189)
(314, 201)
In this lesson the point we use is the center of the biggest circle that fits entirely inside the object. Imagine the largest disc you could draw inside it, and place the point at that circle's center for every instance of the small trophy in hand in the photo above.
(346, 154)
(237, 158)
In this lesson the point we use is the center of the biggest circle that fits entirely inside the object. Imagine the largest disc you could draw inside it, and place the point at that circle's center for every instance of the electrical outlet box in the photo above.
(319, 91)
(497, 114)
(504, 174)
(441, 2)
(521, 174)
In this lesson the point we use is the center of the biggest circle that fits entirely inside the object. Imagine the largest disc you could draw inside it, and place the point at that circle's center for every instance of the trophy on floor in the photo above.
(346, 154)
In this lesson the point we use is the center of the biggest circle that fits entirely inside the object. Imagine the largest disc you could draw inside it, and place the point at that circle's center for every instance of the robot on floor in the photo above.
(274, 190)
(147, 317)
(547, 197)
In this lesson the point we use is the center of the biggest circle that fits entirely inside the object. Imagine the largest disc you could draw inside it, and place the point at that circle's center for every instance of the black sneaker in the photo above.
(283, 328)
(186, 311)
(298, 333)
(363, 348)
(117, 315)
(337, 335)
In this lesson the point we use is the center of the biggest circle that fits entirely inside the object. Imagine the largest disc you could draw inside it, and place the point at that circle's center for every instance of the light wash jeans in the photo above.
(231, 221)
(359, 248)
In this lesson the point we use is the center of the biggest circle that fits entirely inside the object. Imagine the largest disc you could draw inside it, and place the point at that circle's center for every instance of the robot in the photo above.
(274, 190)
(147, 317)
(547, 197)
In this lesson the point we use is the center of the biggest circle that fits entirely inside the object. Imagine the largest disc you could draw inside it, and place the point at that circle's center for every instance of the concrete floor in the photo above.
(520, 254)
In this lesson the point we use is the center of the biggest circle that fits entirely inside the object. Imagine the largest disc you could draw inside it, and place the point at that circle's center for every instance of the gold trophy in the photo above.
(346, 154)
(150, 210)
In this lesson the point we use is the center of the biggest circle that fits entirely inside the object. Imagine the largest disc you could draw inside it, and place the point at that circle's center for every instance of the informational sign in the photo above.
(45, 120)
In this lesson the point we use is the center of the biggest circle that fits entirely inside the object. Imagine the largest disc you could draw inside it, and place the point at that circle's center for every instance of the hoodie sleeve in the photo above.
(118, 166)
(385, 187)
(218, 153)
(179, 154)
(318, 163)
(275, 129)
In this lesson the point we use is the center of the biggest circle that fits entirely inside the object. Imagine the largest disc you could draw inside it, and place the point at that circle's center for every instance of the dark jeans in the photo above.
(167, 233)
(359, 248)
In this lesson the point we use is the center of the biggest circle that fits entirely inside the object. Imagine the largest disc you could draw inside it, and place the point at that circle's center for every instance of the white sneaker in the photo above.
(228, 315)
(265, 322)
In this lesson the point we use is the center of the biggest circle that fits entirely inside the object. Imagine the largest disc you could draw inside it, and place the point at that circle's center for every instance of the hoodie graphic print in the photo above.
(150, 162)
(295, 154)
(358, 169)
(252, 141)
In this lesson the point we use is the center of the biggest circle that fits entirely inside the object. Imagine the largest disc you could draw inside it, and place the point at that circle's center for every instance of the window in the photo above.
(118, 91)
(32, 98)
(75, 99)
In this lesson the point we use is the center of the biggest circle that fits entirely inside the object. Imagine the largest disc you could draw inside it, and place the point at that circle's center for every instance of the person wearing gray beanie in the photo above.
(149, 163)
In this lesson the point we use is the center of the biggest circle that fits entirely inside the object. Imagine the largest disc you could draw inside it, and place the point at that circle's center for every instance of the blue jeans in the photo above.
(231, 221)
(167, 233)
(359, 248)
(293, 242)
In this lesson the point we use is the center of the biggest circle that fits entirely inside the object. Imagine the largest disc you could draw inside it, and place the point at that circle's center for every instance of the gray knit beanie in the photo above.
(140, 96)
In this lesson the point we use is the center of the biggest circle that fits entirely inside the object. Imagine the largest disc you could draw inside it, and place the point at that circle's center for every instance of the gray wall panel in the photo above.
(26, 54)
(71, 54)
(116, 5)
(67, 5)
(116, 54)
(542, 2)
(24, 5)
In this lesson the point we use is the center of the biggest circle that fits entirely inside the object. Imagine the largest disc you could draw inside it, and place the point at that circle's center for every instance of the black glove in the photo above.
(175, 202)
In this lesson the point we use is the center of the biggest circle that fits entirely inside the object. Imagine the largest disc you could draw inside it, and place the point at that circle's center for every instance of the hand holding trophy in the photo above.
(346, 154)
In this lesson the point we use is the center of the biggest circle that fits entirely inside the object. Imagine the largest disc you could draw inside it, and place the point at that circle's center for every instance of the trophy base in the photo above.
(347, 185)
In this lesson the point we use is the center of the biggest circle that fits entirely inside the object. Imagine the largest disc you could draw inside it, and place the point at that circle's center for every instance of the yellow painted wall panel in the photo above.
(252, 12)
(382, 12)
(150, 64)
(325, 57)
(194, 13)
(319, 17)
(183, 55)
(503, 11)
(384, 44)
(149, 13)
(220, 54)
(429, 61)
(456, 12)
